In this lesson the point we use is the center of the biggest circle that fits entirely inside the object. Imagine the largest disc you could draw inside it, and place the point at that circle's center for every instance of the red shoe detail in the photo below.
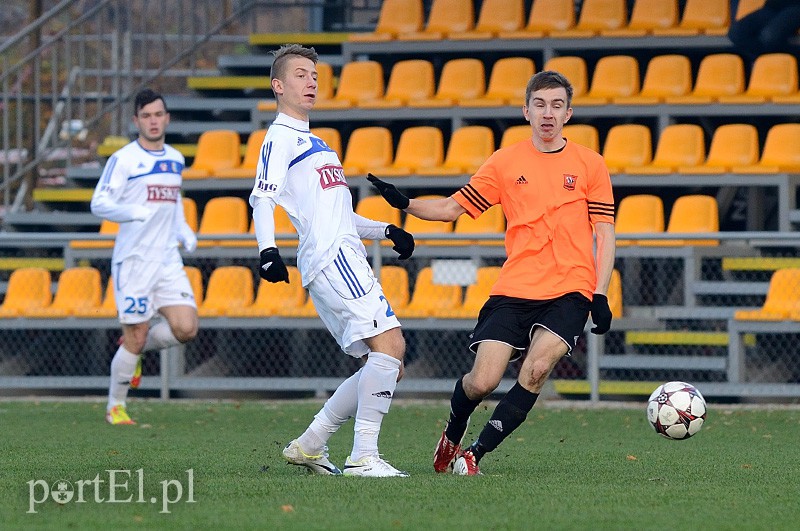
(444, 454)
(466, 465)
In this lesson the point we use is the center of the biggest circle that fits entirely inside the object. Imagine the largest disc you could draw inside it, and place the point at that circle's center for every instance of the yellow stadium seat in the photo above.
(490, 222)
(516, 133)
(782, 302)
(709, 17)
(507, 83)
(627, 145)
(394, 281)
(642, 213)
(107, 308)
(368, 148)
(679, 145)
(781, 151)
(574, 68)
(324, 88)
(107, 228)
(646, 17)
(583, 134)
(774, 75)
(719, 75)
(274, 298)
(217, 152)
(416, 226)
(223, 216)
(331, 137)
(546, 16)
(469, 147)
(190, 212)
(359, 81)
(597, 16)
(396, 17)
(412, 79)
(445, 17)
(666, 76)
(78, 289)
(461, 79)
(247, 169)
(376, 208)
(418, 147)
(615, 295)
(747, 6)
(28, 289)
(732, 145)
(429, 299)
(614, 76)
(494, 17)
(476, 295)
(196, 281)
(693, 213)
(229, 288)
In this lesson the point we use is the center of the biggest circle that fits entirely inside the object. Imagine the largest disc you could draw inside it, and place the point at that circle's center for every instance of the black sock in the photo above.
(510, 412)
(461, 407)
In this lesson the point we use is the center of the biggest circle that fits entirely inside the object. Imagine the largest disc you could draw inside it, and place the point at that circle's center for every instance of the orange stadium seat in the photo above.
(732, 145)
(412, 79)
(748, 6)
(678, 145)
(614, 76)
(394, 281)
(782, 302)
(416, 226)
(78, 289)
(514, 134)
(196, 281)
(583, 134)
(666, 76)
(272, 298)
(718, 75)
(324, 88)
(190, 212)
(469, 147)
(693, 213)
(773, 75)
(252, 152)
(709, 17)
(419, 147)
(615, 295)
(461, 79)
(596, 17)
(229, 288)
(429, 299)
(359, 81)
(494, 17)
(507, 83)
(396, 17)
(545, 16)
(642, 213)
(445, 17)
(574, 68)
(368, 148)
(107, 308)
(781, 151)
(627, 145)
(376, 208)
(28, 289)
(475, 296)
(223, 216)
(331, 137)
(217, 151)
(646, 17)
(106, 228)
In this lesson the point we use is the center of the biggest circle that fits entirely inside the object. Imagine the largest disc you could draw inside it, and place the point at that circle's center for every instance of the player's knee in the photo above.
(185, 331)
(479, 386)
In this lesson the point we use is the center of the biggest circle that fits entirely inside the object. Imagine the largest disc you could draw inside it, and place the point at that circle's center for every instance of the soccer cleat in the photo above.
(466, 464)
(136, 379)
(445, 453)
(372, 466)
(118, 415)
(318, 464)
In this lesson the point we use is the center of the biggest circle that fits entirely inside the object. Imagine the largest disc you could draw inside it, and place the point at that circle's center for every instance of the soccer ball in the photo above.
(676, 410)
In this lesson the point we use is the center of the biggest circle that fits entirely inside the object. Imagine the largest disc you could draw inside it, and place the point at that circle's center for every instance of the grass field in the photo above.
(565, 468)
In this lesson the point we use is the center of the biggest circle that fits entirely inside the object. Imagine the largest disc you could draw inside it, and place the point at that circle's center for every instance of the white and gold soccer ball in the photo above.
(676, 410)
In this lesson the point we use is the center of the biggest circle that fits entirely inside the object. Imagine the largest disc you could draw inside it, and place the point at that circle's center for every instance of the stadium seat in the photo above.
(516, 133)
(376, 208)
(782, 301)
(331, 137)
(545, 16)
(732, 145)
(507, 84)
(642, 213)
(272, 298)
(461, 79)
(746, 7)
(494, 17)
(107, 308)
(78, 288)
(412, 79)
(615, 295)
(614, 76)
(106, 228)
(679, 145)
(719, 75)
(217, 152)
(283, 227)
(445, 17)
(666, 76)
(469, 147)
(196, 281)
(597, 16)
(708, 17)
(773, 75)
(190, 213)
(429, 299)
(359, 81)
(492, 221)
(223, 216)
(646, 17)
(417, 226)
(368, 148)
(306, 310)
(324, 88)
(693, 213)
(247, 170)
(28, 289)
(574, 68)
(475, 295)
(418, 147)
(583, 134)
(396, 17)
(781, 151)
(627, 145)
(394, 281)
(228, 287)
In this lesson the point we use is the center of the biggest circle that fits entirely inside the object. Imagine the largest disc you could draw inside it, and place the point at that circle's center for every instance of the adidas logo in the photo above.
(300, 141)
(496, 424)
(383, 394)
(522, 180)
(141, 165)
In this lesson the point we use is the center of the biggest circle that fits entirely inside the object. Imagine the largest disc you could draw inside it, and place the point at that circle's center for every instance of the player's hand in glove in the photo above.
(601, 314)
(272, 267)
(389, 192)
(403, 241)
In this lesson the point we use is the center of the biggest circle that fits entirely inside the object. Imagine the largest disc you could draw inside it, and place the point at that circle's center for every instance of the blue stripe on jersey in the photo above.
(109, 169)
(266, 153)
(348, 276)
(160, 166)
(317, 146)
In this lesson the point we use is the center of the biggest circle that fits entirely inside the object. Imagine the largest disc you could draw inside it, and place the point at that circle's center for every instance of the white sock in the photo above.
(375, 391)
(122, 367)
(160, 336)
(337, 409)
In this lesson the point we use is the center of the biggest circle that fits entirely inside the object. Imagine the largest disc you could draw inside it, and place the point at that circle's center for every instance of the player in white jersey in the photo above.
(299, 172)
(140, 189)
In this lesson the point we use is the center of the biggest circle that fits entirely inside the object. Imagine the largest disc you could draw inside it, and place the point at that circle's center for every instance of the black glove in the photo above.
(389, 192)
(272, 267)
(403, 241)
(601, 314)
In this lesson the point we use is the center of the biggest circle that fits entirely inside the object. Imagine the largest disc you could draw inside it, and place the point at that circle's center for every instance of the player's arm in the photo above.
(604, 255)
(271, 267)
(444, 209)
(376, 230)
(105, 200)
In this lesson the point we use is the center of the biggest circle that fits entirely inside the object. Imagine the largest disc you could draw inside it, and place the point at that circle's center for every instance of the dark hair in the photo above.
(146, 97)
(286, 52)
(548, 79)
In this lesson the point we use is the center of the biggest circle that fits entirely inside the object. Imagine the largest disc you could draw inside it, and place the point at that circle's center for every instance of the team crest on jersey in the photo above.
(569, 181)
(331, 176)
(165, 194)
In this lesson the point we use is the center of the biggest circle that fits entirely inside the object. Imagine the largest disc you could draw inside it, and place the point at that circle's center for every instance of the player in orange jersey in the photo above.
(553, 193)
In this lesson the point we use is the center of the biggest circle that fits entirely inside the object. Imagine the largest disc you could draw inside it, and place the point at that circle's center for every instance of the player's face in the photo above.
(297, 93)
(547, 113)
(151, 121)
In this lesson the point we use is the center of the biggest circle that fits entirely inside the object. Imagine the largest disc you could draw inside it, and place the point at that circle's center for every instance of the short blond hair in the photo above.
(286, 52)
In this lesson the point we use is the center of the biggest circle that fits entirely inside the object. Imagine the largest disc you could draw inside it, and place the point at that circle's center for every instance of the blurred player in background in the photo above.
(299, 172)
(140, 188)
(553, 193)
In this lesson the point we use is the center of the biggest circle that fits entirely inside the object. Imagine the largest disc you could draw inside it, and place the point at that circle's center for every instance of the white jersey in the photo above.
(303, 175)
(141, 190)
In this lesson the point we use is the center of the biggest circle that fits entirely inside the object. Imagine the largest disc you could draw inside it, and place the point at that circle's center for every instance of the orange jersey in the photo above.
(551, 201)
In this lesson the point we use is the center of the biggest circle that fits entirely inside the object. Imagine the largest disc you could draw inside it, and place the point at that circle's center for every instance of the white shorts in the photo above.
(350, 301)
(142, 287)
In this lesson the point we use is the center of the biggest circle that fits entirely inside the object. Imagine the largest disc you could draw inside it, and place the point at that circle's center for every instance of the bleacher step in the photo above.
(34, 218)
(729, 288)
(682, 337)
(637, 361)
(759, 263)
(606, 387)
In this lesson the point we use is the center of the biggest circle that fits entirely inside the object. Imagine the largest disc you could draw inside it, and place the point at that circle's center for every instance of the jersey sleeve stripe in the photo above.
(602, 211)
(477, 200)
(109, 169)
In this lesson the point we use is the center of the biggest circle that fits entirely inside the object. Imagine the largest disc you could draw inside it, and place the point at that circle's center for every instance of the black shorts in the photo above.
(511, 320)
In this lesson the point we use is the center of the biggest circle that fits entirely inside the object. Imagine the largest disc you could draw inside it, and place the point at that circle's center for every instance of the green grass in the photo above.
(565, 468)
